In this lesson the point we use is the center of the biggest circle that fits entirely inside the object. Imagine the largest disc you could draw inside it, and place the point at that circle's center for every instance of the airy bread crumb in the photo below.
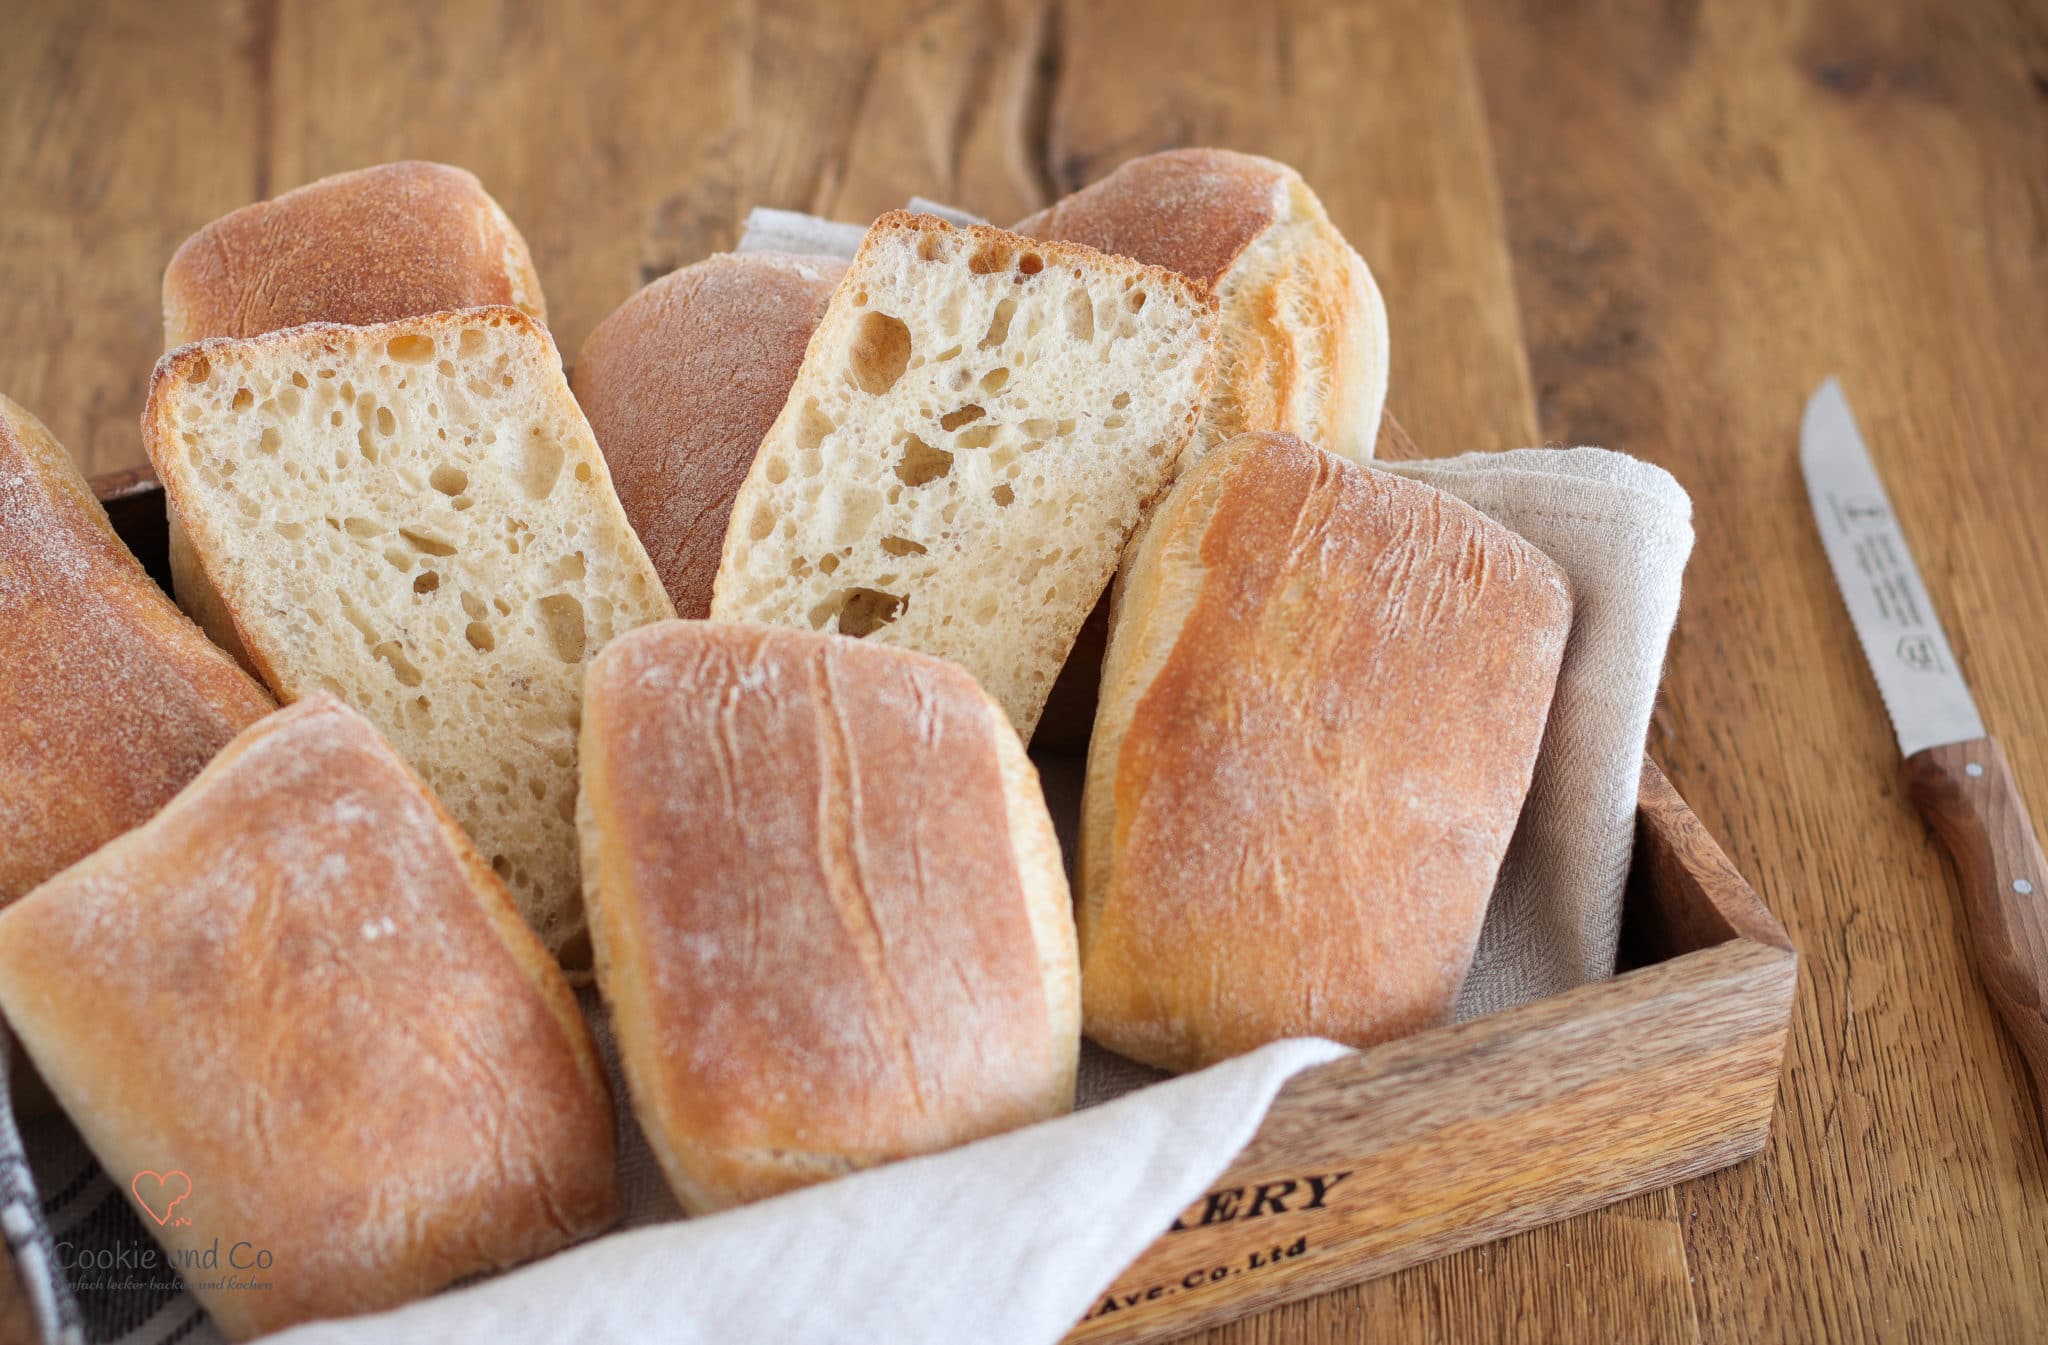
(979, 424)
(415, 517)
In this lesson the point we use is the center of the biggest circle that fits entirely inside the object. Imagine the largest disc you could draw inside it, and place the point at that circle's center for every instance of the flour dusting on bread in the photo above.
(111, 699)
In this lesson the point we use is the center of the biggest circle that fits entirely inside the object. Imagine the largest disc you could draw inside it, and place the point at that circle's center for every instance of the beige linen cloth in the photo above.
(1011, 1240)
(1621, 530)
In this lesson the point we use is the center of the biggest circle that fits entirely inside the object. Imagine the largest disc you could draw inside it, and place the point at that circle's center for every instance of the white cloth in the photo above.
(793, 231)
(1006, 1241)
(768, 230)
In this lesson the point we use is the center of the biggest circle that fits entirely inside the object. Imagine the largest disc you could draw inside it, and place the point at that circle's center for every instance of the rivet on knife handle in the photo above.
(1967, 795)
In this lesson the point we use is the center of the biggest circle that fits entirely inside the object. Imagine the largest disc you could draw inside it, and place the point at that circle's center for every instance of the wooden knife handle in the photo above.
(1967, 795)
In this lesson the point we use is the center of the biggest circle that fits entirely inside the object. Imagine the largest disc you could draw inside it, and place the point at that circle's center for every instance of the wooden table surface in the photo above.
(1655, 229)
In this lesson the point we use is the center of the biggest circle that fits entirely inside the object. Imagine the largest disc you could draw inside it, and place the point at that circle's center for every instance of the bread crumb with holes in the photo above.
(414, 517)
(977, 428)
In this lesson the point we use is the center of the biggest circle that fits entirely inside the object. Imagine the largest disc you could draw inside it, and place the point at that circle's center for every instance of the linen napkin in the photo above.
(1011, 1239)
(1621, 530)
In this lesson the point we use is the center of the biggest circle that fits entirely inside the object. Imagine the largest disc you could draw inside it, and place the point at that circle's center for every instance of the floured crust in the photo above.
(301, 987)
(374, 245)
(1194, 211)
(1302, 337)
(1321, 708)
(680, 384)
(111, 699)
(829, 920)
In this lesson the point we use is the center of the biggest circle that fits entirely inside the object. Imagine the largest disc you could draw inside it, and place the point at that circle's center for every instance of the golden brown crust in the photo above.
(810, 914)
(1194, 211)
(375, 245)
(300, 987)
(1302, 346)
(680, 384)
(111, 699)
(1322, 705)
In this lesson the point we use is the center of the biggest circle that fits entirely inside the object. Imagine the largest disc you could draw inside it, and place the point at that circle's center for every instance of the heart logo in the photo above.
(166, 1189)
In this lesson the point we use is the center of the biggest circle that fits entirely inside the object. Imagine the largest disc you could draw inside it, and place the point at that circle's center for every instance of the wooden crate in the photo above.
(1455, 1137)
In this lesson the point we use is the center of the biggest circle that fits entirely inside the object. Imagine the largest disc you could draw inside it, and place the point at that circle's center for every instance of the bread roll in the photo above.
(300, 1000)
(830, 914)
(110, 698)
(680, 384)
(979, 423)
(1302, 332)
(414, 517)
(375, 245)
(1321, 707)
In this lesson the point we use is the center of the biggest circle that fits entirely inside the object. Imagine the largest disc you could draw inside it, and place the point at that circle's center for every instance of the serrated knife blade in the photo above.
(1955, 772)
(1923, 690)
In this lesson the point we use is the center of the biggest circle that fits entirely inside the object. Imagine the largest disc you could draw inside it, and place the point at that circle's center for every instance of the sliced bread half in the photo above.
(392, 241)
(979, 423)
(1302, 331)
(415, 517)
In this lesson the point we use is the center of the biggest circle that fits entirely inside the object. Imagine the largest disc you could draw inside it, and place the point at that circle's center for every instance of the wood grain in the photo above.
(1966, 793)
(1675, 854)
(1655, 227)
(1711, 208)
(1462, 1136)
(120, 130)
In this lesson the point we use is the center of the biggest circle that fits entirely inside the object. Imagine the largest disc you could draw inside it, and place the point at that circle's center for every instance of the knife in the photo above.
(1955, 773)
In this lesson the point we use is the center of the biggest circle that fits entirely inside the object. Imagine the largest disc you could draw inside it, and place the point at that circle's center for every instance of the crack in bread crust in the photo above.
(830, 916)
